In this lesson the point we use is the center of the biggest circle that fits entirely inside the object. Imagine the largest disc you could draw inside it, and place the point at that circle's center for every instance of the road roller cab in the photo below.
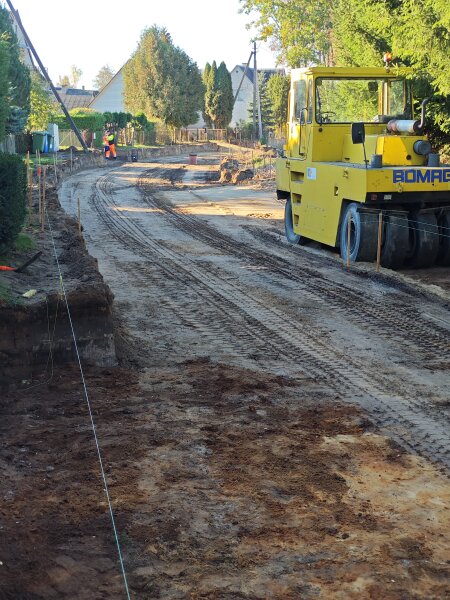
(353, 151)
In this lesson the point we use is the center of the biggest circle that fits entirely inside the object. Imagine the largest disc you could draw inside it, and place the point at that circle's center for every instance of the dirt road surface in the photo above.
(278, 427)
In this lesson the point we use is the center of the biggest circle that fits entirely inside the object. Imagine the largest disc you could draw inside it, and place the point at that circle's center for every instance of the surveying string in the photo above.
(122, 566)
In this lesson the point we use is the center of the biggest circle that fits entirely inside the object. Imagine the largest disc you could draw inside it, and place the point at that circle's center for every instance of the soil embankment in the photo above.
(35, 333)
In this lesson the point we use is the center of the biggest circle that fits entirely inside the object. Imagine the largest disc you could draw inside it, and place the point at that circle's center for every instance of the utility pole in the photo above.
(45, 74)
(256, 98)
(254, 89)
(242, 78)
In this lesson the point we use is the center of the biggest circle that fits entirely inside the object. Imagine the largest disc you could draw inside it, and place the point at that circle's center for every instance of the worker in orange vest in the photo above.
(106, 149)
(112, 143)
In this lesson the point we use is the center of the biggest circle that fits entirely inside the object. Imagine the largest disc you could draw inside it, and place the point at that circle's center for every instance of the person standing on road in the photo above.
(106, 145)
(112, 143)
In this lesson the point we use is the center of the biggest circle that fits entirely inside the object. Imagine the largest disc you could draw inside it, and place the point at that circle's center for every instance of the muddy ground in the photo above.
(278, 427)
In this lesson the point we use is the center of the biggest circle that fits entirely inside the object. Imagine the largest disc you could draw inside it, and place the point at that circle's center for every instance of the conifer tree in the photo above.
(162, 81)
(18, 84)
(205, 79)
(219, 95)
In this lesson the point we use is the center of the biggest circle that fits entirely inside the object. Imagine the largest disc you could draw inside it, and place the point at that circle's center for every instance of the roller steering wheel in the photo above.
(325, 116)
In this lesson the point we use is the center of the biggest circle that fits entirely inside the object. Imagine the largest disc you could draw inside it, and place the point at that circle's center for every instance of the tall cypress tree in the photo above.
(205, 77)
(219, 95)
(211, 94)
(225, 87)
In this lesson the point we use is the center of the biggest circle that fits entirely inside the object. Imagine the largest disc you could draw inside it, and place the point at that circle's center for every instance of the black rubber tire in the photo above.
(443, 257)
(394, 245)
(292, 237)
(364, 234)
(423, 240)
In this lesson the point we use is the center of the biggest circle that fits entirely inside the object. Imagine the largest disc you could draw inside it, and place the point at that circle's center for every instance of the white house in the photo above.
(110, 98)
(244, 99)
(25, 52)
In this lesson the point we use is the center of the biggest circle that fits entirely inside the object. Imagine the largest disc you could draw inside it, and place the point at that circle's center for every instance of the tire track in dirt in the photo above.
(260, 324)
(402, 320)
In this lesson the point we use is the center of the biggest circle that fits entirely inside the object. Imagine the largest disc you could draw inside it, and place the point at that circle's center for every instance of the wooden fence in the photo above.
(8, 145)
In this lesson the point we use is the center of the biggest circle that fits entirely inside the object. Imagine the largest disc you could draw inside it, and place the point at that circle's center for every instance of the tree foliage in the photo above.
(63, 81)
(13, 189)
(86, 119)
(205, 79)
(225, 87)
(417, 32)
(18, 83)
(103, 77)
(219, 98)
(267, 119)
(299, 31)
(117, 120)
(358, 32)
(42, 109)
(4, 69)
(76, 74)
(277, 91)
(162, 81)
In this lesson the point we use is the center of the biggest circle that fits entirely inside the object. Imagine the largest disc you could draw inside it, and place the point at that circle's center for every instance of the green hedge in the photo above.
(13, 192)
(84, 118)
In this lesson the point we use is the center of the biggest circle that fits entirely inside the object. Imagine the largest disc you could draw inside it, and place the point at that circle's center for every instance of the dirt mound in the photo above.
(231, 172)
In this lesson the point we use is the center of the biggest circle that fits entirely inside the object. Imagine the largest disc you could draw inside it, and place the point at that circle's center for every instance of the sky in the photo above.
(93, 33)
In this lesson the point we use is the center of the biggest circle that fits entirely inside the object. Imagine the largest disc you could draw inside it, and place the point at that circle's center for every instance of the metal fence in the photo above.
(198, 134)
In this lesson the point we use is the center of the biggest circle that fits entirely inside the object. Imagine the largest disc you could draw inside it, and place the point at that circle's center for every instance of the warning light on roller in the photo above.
(387, 59)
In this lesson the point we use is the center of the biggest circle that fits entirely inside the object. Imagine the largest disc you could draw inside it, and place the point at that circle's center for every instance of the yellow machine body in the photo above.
(322, 170)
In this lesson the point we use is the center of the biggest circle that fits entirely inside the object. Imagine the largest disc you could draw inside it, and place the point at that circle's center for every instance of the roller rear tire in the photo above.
(363, 234)
(423, 240)
(443, 257)
(395, 242)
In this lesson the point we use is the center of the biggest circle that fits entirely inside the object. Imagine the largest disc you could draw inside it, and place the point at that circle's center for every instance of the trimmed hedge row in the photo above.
(13, 193)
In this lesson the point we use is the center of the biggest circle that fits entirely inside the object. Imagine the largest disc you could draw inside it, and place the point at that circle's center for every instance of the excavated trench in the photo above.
(35, 333)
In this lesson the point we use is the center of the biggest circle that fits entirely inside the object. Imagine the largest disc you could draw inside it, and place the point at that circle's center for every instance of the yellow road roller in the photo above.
(354, 151)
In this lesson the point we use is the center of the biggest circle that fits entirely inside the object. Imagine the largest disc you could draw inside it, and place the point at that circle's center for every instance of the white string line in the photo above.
(411, 226)
(51, 339)
(122, 566)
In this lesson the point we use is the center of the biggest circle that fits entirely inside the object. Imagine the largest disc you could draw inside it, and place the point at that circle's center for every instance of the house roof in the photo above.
(76, 98)
(267, 73)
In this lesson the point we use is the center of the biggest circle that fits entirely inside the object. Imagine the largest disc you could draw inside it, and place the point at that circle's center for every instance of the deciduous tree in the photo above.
(76, 74)
(63, 81)
(103, 77)
(43, 109)
(299, 31)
